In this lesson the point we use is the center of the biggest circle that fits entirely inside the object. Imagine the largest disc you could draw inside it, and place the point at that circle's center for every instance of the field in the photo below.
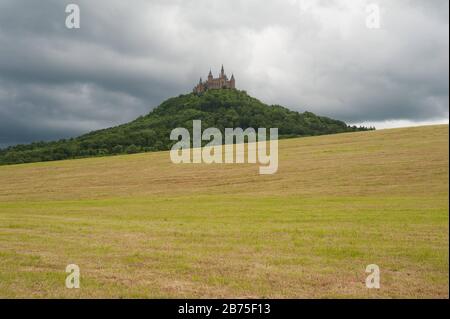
(139, 226)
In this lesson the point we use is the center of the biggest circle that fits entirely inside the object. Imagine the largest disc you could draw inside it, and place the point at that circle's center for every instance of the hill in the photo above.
(140, 226)
(216, 108)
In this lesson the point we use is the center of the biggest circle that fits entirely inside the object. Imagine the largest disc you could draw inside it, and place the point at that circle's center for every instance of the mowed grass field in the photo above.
(139, 226)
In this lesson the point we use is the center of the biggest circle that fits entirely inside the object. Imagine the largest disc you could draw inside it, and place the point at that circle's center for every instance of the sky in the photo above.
(323, 56)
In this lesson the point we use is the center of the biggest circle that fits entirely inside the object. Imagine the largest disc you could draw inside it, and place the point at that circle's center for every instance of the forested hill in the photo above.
(216, 108)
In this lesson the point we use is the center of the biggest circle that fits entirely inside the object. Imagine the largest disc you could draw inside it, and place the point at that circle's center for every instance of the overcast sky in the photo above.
(129, 56)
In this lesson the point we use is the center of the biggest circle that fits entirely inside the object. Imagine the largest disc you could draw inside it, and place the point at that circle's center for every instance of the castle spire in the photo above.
(222, 72)
(232, 82)
(210, 76)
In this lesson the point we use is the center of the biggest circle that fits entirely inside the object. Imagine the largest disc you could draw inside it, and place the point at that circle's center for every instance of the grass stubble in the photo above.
(139, 226)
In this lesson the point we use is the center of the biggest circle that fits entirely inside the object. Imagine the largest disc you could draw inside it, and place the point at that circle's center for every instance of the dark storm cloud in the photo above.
(129, 56)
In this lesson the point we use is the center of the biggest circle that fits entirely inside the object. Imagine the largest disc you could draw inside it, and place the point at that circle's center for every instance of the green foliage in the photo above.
(132, 149)
(216, 108)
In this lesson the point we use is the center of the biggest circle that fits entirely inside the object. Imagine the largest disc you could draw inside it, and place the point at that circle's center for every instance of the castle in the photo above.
(212, 83)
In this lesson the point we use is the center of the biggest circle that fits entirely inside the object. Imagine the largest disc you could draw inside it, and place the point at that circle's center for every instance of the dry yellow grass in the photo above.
(140, 226)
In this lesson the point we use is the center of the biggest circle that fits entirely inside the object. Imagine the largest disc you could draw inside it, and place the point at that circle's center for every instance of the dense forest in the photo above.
(216, 108)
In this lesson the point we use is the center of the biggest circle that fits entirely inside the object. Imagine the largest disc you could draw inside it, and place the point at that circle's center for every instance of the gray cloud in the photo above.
(315, 55)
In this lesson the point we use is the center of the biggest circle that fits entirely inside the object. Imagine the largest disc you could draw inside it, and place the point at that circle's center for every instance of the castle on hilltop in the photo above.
(212, 83)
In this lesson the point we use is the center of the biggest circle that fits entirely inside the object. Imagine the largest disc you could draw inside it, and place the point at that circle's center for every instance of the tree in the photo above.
(117, 149)
(132, 149)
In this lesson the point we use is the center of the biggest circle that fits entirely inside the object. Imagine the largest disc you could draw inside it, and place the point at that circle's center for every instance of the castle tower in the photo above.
(232, 82)
(222, 72)
(210, 76)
